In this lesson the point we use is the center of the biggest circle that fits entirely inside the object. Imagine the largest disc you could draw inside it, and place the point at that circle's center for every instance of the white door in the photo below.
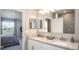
(57, 25)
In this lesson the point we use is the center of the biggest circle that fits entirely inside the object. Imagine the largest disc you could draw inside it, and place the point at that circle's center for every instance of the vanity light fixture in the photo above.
(57, 9)
(53, 10)
(44, 11)
(64, 11)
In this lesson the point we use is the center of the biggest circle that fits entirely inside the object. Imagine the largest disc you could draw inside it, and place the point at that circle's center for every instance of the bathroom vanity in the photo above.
(38, 43)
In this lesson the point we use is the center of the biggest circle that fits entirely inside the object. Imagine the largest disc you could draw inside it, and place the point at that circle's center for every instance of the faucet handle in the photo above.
(61, 38)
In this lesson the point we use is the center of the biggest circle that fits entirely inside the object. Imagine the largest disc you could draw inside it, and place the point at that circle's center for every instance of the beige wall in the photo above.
(28, 13)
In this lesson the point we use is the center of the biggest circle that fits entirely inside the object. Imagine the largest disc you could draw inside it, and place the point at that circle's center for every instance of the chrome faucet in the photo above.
(72, 39)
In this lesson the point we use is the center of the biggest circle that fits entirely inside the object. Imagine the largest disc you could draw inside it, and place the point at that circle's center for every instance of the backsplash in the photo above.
(66, 37)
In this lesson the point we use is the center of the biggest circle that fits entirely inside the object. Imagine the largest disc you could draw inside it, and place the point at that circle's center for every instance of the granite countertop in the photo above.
(56, 42)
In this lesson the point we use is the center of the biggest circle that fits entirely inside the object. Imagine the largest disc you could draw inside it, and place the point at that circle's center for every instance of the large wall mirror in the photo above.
(63, 22)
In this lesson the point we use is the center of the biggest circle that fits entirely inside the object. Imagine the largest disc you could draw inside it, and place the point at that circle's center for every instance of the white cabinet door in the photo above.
(34, 45)
(38, 45)
(30, 44)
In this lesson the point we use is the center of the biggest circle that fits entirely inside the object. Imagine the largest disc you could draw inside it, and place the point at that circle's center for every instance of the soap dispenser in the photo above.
(72, 39)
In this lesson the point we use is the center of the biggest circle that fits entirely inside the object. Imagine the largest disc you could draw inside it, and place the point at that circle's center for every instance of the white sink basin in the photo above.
(59, 42)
